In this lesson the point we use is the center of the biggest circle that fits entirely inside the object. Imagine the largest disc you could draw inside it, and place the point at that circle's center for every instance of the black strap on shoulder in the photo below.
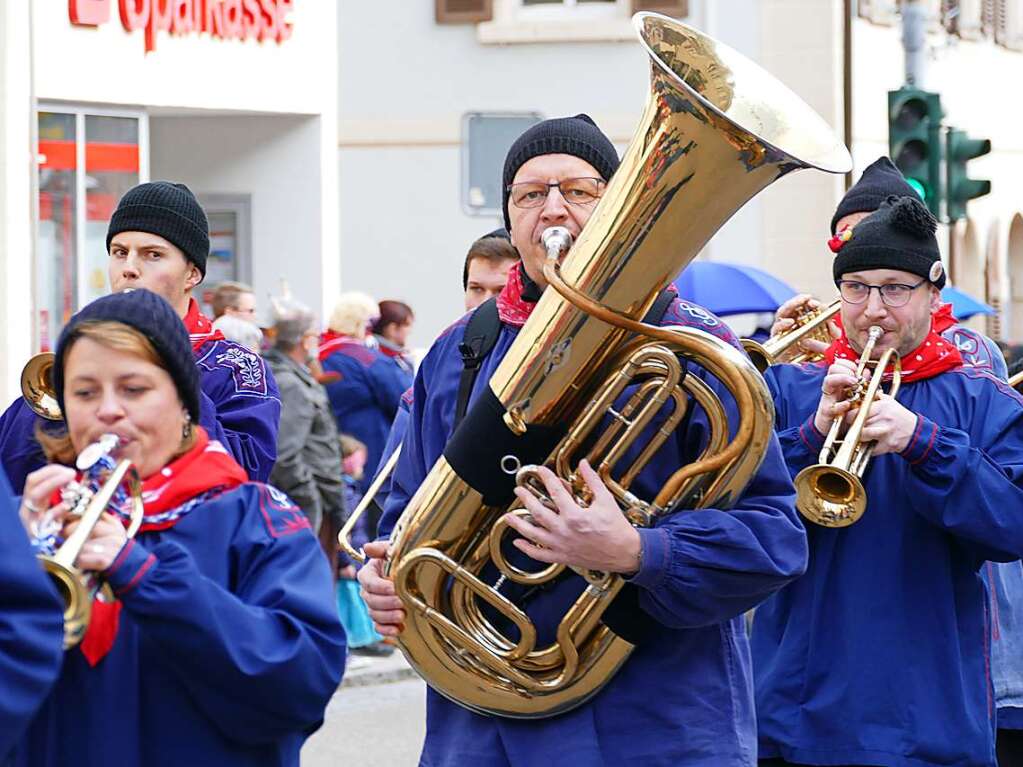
(480, 336)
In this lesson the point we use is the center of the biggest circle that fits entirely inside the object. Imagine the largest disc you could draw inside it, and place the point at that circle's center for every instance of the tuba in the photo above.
(809, 324)
(716, 130)
(830, 493)
(104, 481)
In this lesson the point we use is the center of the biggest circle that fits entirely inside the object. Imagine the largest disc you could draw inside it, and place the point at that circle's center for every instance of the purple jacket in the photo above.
(684, 696)
(240, 407)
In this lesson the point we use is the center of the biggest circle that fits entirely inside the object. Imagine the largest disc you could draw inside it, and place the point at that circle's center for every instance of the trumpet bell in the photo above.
(758, 355)
(830, 496)
(37, 386)
(76, 598)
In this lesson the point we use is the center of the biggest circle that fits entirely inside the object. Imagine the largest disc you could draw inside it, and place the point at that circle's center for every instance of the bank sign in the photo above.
(220, 19)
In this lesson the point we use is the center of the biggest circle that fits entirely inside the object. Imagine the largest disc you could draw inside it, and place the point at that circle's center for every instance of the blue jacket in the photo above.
(685, 695)
(31, 627)
(880, 654)
(228, 649)
(365, 398)
(239, 406)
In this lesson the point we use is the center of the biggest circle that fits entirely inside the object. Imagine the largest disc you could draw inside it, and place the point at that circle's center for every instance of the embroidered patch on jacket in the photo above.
(681, 312)
(246, 369)
(282, 516)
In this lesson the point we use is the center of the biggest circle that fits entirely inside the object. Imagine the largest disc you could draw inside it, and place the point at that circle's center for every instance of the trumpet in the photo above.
(37, 386)
(830, 493)
(344, 538)
(104, 481)
(810, 323)
(1016, 379)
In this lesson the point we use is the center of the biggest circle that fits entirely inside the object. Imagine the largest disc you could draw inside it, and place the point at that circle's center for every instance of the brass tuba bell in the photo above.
(716, 131)
(37, 386)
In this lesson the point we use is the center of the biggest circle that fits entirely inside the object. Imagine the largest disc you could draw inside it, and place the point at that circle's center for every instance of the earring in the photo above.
(186, 430)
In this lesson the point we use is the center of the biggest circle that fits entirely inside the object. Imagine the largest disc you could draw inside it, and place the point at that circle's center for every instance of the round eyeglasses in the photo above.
(576, 191)
(893, 294)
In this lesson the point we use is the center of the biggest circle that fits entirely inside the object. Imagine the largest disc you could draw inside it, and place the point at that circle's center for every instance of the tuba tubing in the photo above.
(715, 131)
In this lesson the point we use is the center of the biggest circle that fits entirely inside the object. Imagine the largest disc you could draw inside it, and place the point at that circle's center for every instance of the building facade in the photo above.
(236, 100)
(403, 135)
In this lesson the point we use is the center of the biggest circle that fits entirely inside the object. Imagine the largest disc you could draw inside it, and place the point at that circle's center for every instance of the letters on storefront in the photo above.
(221, 19)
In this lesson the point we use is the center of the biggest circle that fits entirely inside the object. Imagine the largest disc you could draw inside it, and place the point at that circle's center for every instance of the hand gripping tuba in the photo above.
(716, 130)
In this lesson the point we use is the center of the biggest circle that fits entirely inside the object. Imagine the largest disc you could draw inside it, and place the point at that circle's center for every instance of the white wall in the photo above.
(401, 103)
(279, 161)
(16, 169)
(976, 82)
(109, 65)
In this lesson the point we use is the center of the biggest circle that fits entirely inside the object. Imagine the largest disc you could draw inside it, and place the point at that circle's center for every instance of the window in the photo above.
(486, 139)
(542, 21)
(86, 162)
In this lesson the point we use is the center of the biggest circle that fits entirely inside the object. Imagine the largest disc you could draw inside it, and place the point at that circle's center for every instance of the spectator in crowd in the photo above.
(242, 332)
(392, 330)
(365, 397)
(308, 464)
(362, 637)
(486, 267)
(234, 299)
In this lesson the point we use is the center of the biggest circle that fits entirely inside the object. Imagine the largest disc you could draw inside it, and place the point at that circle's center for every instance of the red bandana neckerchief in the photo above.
(932, 357)
(200, 329)
(205, 467)
(330, 342)
(512, 308)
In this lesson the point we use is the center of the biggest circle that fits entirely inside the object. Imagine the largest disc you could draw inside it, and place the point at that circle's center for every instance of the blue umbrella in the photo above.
(964, 306)
(731, 288)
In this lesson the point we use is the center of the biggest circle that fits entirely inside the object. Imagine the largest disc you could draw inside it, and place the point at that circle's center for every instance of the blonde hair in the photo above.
(352, 314)
(350, 445)
(116, 336)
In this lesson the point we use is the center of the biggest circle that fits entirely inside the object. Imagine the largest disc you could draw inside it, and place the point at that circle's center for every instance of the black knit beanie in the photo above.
(879, 181)
(578, 136)
(899, 235)
(169, 210)
(152, 316)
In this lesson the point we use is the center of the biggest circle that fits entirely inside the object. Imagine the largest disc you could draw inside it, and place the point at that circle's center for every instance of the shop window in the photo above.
(86, 162)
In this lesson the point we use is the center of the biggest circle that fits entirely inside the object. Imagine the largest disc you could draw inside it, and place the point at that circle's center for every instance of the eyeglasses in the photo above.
(576, 191)
(892, 294)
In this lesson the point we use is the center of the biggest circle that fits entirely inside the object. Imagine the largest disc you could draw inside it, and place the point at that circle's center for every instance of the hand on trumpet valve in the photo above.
(37, 516)
(385, 608)
(594, 537)
(839, 382)
(790, 314)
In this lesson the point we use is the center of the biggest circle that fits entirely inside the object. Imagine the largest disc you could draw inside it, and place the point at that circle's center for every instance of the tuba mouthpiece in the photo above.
(556, 239)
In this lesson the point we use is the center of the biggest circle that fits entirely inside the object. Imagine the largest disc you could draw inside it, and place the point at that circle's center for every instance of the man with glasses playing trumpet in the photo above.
(879, 655)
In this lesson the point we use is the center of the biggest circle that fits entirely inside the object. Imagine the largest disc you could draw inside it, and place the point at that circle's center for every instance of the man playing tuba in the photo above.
(687, 685)
(879, 655)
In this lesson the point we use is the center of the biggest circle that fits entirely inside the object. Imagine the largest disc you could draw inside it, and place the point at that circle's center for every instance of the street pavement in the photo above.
(376, 719)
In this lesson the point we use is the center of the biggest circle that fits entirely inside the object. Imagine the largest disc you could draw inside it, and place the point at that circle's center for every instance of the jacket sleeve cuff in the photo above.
(130, 567)
(810, 436)
(655, 548)
(922, 441)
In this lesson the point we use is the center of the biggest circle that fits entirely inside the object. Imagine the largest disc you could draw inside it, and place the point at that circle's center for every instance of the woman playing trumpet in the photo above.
(223, 646)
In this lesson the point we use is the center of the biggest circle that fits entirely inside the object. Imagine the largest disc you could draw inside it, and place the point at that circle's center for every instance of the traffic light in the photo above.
(914, 141)
(959, 150)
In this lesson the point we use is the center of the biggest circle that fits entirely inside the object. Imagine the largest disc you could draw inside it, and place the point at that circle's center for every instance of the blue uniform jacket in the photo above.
(881, 653)
(31, 627)
(228, 650)
(685, 695)
(239, 406)
(366, 397)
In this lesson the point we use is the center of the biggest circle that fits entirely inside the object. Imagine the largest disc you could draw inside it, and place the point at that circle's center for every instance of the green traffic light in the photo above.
(959, 150)
(918, 188)
(914, 141)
